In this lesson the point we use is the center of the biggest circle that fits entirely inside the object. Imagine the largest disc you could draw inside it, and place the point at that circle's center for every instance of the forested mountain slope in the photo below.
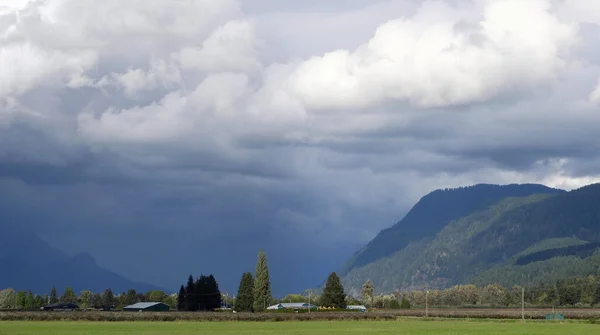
(524, 236)
(433, 212)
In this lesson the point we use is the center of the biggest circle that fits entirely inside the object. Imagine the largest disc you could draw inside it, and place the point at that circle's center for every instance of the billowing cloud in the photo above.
(238, 125)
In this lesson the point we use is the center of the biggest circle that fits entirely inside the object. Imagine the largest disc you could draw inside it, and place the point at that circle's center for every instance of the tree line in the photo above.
(11, 299)
(574, 292)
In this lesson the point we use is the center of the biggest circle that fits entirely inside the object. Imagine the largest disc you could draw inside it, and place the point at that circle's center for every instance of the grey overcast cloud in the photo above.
(174, 137)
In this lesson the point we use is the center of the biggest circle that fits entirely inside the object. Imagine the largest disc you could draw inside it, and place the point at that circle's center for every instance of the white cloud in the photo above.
(231, 47)
(26, 66)
(442, 56)
(595, 95)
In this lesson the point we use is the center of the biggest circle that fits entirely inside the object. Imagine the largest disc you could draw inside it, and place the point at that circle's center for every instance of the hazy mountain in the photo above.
(531, 234)
(29, 263)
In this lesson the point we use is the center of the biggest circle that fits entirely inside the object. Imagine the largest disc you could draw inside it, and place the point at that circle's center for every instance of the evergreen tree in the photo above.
(366, 295)
(191, 302)
(202, 293)
(108, 299)
(181, 299)
(245, 297)
(29, 300)
(121, 300)
(97, 301)
(213, 296)
(262, 284)
(38, 302)
(131, 297)
(68, 296)
(333, 293)
(53, 296)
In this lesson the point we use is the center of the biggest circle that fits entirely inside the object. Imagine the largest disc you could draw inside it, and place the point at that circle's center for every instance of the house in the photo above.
(361, 308)
(69, 306)
(293, 305)
(147, 307)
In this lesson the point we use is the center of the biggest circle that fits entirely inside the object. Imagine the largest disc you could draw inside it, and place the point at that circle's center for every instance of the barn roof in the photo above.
(143, 305)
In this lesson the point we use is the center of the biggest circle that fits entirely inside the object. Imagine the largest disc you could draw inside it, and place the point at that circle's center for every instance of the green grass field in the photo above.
(412, 327)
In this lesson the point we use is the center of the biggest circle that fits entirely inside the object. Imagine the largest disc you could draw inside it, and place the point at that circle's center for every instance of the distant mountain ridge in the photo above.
(514, 234)
(29, 263)
(433, 212)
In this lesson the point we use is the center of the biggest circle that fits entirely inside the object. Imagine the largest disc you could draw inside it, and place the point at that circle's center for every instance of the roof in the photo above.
(356, 307)
(291, 305)
(294, 304)
(144, 304)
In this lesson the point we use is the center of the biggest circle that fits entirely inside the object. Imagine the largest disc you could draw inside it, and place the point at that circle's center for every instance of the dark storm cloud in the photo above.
(96, 156)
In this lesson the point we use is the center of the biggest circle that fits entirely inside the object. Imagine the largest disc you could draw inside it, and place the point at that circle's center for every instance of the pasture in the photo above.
(398, 327)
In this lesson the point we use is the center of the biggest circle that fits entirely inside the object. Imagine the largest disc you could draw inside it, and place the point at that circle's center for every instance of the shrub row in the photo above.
(576, 314)
(190, 316)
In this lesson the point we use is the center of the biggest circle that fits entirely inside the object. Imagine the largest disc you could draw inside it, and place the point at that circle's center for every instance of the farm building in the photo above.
(293, 305)
(361, 308)
(60, 307)
(147, 307)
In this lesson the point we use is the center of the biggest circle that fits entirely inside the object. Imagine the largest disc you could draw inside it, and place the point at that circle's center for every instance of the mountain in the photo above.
(32, 264)
(432, 213)
(531, 235)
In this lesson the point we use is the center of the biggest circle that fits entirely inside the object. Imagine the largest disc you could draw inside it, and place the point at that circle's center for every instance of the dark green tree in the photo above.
(21, 297)
(394, 304)
(156, 296)
(108, 299)
(202, 292)
(131, 297)
(191, 298)
(68, 296)
(262, 284)
(207, 292)
(38, 302)
(333, 293)
(29, 300)
(121, 301)
(245, 298)
(213, 297)
(181, 299)
(53, 296)
(97, 301)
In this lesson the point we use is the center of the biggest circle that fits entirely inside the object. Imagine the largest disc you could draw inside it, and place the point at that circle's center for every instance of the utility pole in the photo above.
(426, 304)
(309, 302)
(523, 303)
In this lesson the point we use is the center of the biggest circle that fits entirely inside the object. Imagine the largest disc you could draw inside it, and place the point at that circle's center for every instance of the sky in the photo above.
(169, 138)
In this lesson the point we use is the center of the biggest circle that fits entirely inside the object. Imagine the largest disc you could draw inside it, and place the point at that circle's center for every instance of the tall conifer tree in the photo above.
(333, 293)
(191, 302)
(53, 296)
(214, 294)
(181, 299)
(262, 284)
(245, 296)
